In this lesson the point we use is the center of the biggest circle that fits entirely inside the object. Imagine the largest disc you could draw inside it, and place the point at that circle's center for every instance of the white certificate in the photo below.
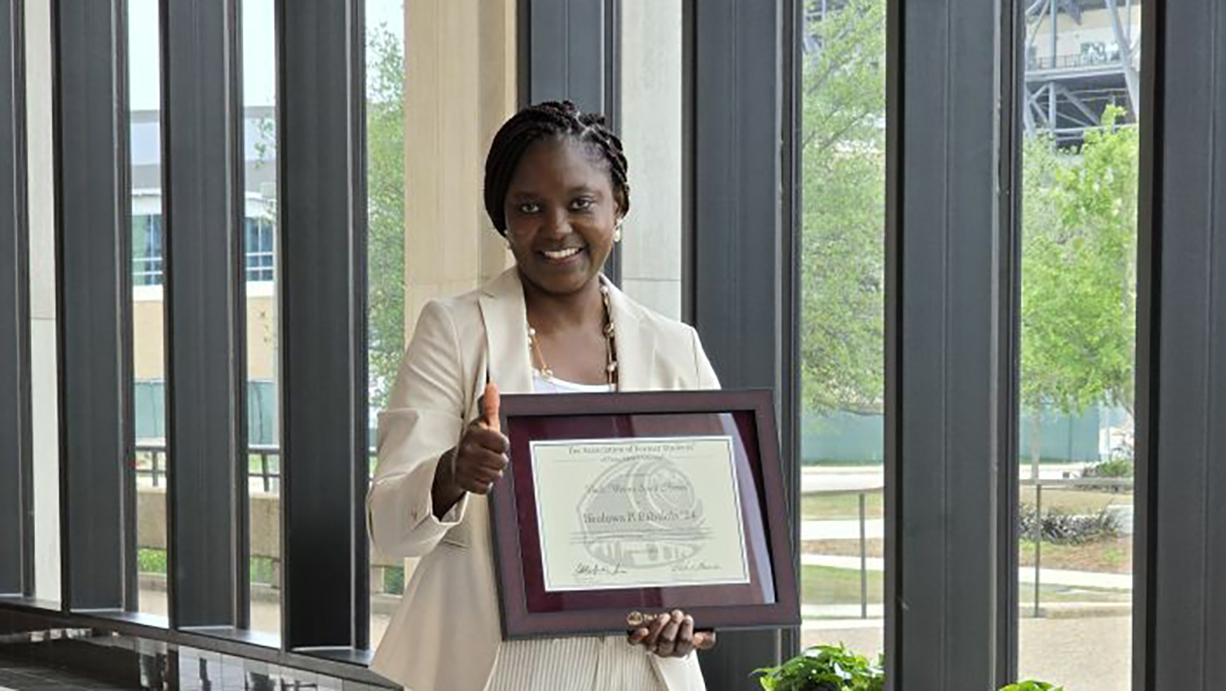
(635, 513)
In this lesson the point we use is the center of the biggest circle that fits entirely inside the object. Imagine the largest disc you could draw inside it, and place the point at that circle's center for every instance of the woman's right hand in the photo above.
(477, 462)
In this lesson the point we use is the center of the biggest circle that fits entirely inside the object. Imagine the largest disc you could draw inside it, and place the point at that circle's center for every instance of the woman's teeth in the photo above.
(562, 254)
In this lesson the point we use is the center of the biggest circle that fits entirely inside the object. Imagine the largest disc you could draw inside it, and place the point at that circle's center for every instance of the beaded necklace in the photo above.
(534, 346)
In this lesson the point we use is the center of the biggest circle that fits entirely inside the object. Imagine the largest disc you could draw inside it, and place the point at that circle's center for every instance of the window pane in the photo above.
(148, 304)
(1078, 334)
(259, 225)
(385, 219)
(843, 323)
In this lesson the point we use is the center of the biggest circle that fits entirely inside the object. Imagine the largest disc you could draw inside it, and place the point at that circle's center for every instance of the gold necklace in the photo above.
(534, 346)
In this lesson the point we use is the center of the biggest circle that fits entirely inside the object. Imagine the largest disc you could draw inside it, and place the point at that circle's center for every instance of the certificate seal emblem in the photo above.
(642, 513)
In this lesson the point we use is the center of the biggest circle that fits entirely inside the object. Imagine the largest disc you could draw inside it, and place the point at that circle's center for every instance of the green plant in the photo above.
(1063, 528)
(1112, 468)
(1031, 686)
(151, 560)
(824, 668)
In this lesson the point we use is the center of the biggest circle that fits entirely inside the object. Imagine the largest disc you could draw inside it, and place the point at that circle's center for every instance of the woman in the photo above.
(556, 189)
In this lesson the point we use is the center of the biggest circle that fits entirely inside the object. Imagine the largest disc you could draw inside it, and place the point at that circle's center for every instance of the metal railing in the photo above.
(152, 462)
(1036, 534)
(1080, 483)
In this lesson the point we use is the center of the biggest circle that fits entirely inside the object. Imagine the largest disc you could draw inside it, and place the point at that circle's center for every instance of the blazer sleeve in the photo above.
(424, 419)
(707, 379)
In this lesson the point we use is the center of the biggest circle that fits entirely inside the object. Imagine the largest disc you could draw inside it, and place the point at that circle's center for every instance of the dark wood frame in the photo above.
(756, 406)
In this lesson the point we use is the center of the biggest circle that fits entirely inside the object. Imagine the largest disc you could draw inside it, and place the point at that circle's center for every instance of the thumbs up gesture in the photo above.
(481, 455)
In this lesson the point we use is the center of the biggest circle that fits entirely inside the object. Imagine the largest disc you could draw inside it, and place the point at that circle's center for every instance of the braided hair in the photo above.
(549, 120)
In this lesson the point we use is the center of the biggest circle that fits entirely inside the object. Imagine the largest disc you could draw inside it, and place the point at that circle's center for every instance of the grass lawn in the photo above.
(1076, 501)
(828, 506)
(1113, 555)
(823, 585)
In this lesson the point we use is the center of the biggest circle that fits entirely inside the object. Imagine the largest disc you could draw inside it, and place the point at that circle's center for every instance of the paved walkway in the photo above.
(1064, 577)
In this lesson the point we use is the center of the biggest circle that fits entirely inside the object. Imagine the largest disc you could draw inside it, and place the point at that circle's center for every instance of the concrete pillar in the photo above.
(460, 86)
(43, 394)
(651, 117)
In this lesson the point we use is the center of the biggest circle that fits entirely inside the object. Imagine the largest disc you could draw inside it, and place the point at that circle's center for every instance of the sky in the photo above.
(259, 82)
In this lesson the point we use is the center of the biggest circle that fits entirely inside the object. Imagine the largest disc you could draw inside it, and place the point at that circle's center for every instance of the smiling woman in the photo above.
(556, 189)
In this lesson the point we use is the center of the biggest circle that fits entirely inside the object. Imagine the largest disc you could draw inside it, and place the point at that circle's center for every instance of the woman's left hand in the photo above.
(672, 635)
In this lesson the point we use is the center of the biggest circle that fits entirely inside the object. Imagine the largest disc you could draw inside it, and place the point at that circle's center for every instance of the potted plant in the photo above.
(835, 668)
(824, 668)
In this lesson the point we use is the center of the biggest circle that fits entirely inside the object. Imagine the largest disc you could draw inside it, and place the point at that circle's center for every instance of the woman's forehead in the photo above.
(565, 162)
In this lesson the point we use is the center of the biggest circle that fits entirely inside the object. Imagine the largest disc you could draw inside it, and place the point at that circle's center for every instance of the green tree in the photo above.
(1079, 236)
(843, 207)
(385, 209)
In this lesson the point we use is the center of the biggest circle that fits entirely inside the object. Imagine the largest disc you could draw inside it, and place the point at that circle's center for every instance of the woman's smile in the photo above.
(567, 255)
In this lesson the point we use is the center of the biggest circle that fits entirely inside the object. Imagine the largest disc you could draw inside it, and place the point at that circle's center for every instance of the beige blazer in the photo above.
(445, 634)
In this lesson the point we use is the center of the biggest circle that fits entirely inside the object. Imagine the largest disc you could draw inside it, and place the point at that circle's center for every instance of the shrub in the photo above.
(1063, 528)
(824, 668)
(1032, 686)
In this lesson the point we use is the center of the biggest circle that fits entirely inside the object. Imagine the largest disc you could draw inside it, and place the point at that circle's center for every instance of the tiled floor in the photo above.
(20, 676)
(109, 663)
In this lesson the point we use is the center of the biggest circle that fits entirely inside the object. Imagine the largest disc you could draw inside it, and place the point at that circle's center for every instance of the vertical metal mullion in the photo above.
(321, 232)
(1180, 602)
(742, 269)
(16, 496)
(945, 400)
(790, 269)
(1149, 273)
(93, 305)
(202, 192)
(1009, 229)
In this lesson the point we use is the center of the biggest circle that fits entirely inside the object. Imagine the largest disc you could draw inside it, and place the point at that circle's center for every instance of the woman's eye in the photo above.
(529, 208)
(582, 204)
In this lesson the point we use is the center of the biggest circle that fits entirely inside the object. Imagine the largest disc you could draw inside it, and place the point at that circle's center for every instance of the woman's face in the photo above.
(561, 213)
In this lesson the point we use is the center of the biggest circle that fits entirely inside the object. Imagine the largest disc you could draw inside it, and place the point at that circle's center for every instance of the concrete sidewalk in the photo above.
(1064, 577)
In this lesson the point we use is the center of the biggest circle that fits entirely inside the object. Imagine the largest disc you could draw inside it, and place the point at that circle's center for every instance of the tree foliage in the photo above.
(843, 207)
(385, 210)
(1079, 237)
(1079, 271)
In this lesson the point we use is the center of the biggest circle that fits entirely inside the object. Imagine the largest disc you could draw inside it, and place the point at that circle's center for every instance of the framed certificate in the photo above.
(631, 504)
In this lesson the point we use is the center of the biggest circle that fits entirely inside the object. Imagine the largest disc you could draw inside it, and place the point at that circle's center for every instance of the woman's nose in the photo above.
(557, 224)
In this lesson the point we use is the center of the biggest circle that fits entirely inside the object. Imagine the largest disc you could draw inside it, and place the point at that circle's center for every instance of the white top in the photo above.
(591, 663)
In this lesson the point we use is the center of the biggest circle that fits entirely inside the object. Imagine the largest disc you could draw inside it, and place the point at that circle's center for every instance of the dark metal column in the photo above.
(321, 198)
(944, 396)
(202, 183)
(1180, 599)
(569, 50)
(16, 492)
(93, 281)
(743, 267)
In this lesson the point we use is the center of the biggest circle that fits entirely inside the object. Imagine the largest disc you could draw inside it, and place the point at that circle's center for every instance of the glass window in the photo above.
(259, 232)
(843, 323)
(1078, 337)
(259, 238)
(386, 237)
(148, 305)
(147, 242)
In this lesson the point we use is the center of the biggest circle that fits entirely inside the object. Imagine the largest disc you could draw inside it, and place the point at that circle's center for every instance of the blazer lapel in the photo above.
(635, 345)
(506, 333)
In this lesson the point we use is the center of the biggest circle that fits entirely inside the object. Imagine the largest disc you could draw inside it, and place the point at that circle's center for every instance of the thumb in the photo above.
(489, 407)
